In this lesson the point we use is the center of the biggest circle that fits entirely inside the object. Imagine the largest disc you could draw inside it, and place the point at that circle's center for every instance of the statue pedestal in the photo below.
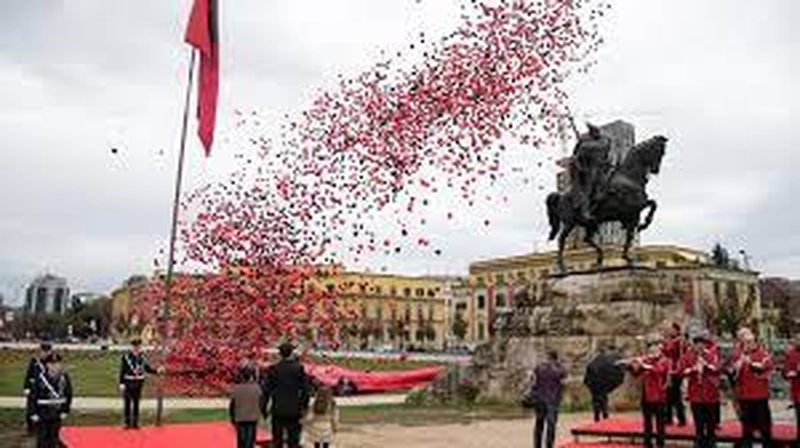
(575, 315)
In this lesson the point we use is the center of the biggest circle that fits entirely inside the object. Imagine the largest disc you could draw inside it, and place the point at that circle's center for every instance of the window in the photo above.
(393, 291)
(379, 312)
(500, 278)
(58, 300)
(41, 300)
(481, 331)
(430, 312)
(431, 293)
(500, 300)
(330, 287)
(378, 290)
(407, 292)
(661, 264)
(520, 275)
(408, 313)
(420, 292)
(481, 302)
(461, 307)
(545, 273)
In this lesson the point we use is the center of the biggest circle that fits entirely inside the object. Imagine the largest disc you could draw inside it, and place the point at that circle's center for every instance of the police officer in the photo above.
(131, 380)
(35, 367)
(52, 398)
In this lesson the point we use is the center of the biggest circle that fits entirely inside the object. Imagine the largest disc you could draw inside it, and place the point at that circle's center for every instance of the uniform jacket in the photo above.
(655, 373)
(673, 348)
(286, 387)
(52, 396)
(35, 367)
(791, 371)
(701, 366)
(133, 368)
(752, 383)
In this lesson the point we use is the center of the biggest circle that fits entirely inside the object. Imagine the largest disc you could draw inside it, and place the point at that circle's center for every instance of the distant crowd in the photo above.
(671, 360)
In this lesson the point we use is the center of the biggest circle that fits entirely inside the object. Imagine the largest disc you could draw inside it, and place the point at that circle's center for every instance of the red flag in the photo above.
(202, 34)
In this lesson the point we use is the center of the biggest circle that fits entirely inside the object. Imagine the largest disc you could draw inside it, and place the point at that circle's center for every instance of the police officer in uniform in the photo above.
(52, 398)
(131, 380)
(35, 367)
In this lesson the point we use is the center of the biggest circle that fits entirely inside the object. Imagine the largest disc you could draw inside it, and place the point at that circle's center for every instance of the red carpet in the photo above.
(194, 435)
(729, 431)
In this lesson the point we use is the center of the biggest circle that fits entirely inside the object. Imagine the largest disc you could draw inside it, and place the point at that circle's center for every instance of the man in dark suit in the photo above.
(35, 368)
(287, 388)
(52, 396)
(131, 381)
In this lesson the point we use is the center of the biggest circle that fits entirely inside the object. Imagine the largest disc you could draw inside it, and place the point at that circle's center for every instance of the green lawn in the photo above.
(95, 373)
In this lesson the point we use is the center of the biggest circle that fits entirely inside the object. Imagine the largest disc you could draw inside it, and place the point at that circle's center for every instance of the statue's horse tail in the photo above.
(553, 201)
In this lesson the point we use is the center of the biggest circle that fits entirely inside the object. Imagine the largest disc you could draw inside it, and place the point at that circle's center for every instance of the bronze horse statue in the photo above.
(621, 198)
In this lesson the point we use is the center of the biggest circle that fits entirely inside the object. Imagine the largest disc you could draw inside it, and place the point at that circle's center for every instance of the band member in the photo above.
(674, 346)
(700, 364)
(791, 371)
(752, 366)
(131, 381)
(35, 367)
(52, 397)
(654, 369)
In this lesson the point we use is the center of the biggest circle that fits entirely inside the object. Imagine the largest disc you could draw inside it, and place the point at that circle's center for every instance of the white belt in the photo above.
(134, 378)
(51, 401)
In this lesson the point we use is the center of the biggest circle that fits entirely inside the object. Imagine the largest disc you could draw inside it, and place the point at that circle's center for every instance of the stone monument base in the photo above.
(576, 315)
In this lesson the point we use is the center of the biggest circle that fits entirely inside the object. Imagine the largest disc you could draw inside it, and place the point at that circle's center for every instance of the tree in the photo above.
(459, 327)
(728, 313)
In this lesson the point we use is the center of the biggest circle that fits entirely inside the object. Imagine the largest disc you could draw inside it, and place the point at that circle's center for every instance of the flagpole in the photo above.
(165, 313)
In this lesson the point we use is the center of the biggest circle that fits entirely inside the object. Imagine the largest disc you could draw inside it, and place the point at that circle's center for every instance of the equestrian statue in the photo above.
(602, 192)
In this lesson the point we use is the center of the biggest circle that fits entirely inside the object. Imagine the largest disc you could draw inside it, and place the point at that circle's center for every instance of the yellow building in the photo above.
(494, 283)
(390, 311)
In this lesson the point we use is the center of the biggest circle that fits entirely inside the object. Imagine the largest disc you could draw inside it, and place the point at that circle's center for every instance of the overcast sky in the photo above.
(79, 77)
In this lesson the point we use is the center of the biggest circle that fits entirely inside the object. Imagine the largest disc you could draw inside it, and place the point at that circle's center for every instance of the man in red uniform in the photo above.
(673, 348)
(654, 369)
(791, 371)
(752, 367)
(700, 365)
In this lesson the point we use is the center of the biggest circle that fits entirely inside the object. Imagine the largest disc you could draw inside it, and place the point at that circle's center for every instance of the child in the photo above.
(322, 420)
(247, 401)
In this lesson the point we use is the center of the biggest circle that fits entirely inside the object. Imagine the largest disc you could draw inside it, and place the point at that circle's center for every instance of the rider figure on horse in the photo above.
(588, 170)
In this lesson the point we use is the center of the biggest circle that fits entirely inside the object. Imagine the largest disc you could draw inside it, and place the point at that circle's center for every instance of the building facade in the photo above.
(390, 312)
(47, 294)
(495, 284)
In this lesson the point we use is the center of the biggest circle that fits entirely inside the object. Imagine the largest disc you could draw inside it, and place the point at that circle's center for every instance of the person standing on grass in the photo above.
(322, 421)
(654, 368)
(752, 367)
(132, 372)
(546, 385)
(674, 346)
(247, 402)
(286, 387)
(52, 397)
(35, 367)
(791, 371)
(700, 364)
